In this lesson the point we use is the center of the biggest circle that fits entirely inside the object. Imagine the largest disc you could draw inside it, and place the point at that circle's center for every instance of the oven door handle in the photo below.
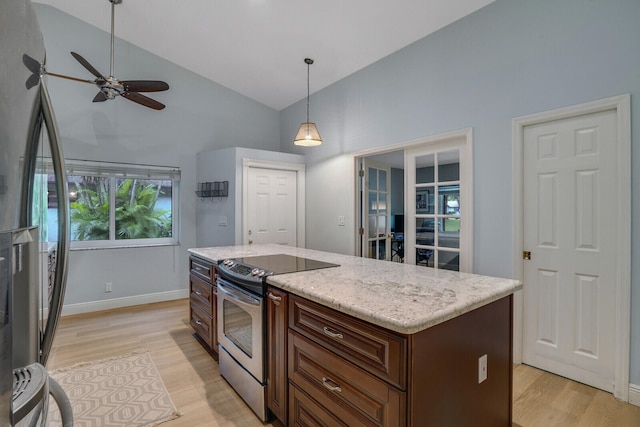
(239, 297)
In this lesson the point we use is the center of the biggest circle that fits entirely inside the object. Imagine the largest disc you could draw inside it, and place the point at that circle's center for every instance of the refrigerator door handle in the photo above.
(60, 279)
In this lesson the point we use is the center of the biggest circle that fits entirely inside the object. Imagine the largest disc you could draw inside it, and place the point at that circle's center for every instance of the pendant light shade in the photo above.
(308, 135)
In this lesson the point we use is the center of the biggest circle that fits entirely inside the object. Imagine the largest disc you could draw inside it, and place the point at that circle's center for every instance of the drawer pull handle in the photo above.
(274, 297)
(332, 334)
(214, 291)
(199, 293)
(331, 385)
(198, 322)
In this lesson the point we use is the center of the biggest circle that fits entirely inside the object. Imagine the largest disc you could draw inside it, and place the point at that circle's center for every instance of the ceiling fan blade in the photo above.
(143, 100)
(144, 85)
(32, 64)
(100, 97)
(32, 81)
(88, 66)
(35, 67)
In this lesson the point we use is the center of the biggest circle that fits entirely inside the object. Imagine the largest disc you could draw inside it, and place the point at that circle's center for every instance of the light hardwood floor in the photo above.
(205, 399)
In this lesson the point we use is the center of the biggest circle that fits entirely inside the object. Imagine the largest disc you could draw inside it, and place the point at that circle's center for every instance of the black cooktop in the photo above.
(281, 264)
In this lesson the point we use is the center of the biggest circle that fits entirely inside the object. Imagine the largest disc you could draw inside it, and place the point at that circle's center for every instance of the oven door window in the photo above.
(238, 327)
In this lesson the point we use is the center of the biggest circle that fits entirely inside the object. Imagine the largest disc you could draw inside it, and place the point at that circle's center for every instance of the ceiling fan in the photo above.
(110, 87)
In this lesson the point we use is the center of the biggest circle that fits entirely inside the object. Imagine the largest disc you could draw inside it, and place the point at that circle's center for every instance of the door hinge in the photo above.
(361, 231)
(361, 173)
(526, 255)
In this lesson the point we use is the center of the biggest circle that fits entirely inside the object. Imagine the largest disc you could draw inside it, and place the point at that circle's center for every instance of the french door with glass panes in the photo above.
(375, 231)
(438, 205)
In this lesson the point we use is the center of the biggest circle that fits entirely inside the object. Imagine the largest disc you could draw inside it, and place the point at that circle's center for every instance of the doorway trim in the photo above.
(465, 133)
(299, 168)
(622, 105)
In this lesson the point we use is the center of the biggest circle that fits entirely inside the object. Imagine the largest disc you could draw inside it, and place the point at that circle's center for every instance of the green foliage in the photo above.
(136, 216)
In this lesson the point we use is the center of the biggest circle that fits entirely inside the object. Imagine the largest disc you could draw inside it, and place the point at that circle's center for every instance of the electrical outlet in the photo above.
(108, 287)
(482, 368)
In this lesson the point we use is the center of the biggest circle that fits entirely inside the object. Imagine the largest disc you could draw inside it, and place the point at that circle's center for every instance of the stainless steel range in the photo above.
(242, 320)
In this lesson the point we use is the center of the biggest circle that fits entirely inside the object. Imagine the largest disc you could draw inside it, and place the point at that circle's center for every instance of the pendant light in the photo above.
(308, 135)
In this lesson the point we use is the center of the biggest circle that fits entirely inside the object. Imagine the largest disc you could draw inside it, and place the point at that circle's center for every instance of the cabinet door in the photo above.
(277, 353)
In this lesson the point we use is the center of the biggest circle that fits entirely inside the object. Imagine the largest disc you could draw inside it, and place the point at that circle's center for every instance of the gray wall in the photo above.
(200, 116)
(509, 59)
(220, 165)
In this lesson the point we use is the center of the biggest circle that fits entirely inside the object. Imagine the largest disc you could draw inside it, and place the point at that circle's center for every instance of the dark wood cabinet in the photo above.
(343, 371)
(203, 302)
(277, 314)
(344, 368)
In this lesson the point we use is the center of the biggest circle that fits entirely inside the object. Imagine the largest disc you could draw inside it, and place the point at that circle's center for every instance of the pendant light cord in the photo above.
(308, 64)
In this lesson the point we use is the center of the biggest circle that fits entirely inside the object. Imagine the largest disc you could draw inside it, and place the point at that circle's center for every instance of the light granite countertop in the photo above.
(400, 297)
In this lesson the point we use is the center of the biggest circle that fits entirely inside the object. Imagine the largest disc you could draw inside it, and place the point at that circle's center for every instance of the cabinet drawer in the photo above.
(202, 323)
(206, 270)
(307, 412)
(374, 349)
(202, 292)
(351, 394)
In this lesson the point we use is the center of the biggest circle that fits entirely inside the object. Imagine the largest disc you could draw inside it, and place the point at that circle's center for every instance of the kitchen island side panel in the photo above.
(444, 388)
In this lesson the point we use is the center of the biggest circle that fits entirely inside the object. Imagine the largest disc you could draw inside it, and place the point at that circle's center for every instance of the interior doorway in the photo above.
(430, 182)
(273, 203)
(571, 235)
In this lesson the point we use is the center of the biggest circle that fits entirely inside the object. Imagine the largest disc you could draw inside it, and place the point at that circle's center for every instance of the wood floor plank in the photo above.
(205, 399)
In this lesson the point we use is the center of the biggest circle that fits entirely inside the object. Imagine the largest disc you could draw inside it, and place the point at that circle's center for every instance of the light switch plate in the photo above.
(482, 368)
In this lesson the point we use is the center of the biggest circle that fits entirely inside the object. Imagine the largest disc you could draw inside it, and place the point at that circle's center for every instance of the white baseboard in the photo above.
(634, 394)
(110, 304)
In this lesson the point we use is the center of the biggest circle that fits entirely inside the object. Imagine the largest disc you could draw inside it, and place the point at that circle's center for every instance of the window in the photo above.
(114, 204)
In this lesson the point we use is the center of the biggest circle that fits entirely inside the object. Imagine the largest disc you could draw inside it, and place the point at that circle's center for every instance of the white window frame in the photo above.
(114, 171)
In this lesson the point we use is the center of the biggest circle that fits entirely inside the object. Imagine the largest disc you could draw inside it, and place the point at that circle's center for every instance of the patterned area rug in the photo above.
(121, 391)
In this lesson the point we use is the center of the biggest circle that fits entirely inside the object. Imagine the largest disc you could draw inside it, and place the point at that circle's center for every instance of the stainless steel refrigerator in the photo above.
(29, 312)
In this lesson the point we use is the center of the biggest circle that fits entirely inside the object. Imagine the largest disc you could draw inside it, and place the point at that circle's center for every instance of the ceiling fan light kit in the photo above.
(308, 135)
(110, 87)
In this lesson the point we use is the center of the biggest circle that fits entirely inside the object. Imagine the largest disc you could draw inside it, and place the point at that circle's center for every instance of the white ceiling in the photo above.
(257, 47)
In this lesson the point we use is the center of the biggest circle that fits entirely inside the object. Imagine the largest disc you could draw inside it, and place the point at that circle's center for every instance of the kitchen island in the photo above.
(413, 342)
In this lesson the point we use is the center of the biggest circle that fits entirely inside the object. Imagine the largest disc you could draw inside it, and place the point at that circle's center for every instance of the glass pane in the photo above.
(143, 208)
(373, 179)
(88, 207)
(450, 196)
(450, 239)
(424, 169)
(382, 182)
(449, 260)
(372, 227)
(373, 202)
(424, 257)
(382, 248)
(382, 222)
(237, 326)
(449, 166)
(425, 231)
(425, 200)
(382, 203)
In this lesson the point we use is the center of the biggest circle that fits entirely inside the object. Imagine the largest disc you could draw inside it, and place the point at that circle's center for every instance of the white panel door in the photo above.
(272, 206)
(570, 200)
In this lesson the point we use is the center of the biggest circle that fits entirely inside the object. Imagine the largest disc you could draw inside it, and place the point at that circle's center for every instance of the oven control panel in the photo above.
(243, 269)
